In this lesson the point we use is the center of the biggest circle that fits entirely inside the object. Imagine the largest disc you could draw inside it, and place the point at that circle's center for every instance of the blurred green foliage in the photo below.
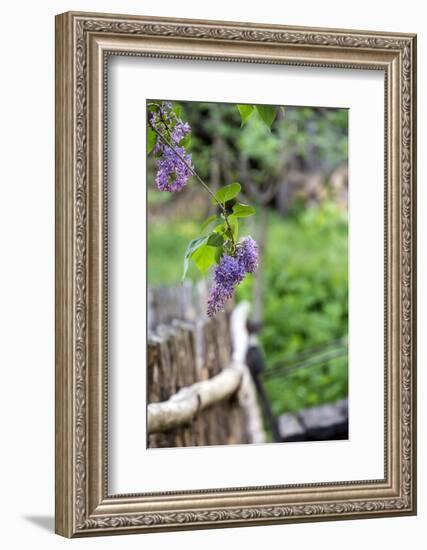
(305, 265)
(167, 242)
(303, 137)
(305, 303)
(309, 136)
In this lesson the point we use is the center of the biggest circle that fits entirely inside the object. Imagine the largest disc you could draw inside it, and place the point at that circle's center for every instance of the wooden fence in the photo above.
(200, 392)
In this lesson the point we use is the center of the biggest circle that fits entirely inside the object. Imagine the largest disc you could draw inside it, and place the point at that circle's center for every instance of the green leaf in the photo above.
(208, 221)
(219, 251)
(243, 210)
(220, 228)
(245, 113)
(151, 140)
(229, 205)
(153, 107)
(185, 141)
(191, 248)
(204, 257)
(283, 109)
(227, 193)
(215, 239)
(267, 113)
(177, 109)
(234, 224)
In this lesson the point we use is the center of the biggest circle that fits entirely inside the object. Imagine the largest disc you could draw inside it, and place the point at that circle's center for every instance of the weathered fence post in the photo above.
(198, 393)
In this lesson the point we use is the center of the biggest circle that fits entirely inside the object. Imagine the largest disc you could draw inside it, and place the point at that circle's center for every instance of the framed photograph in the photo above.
(235, 274)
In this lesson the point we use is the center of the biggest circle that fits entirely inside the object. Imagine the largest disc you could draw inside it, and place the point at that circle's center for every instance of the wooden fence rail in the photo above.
(200, 391)
(184, 405)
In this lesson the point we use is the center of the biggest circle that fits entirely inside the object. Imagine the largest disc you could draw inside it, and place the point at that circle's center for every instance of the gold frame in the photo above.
(83, 43)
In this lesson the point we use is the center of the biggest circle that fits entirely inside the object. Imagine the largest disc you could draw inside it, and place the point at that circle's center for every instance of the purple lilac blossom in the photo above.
(216, 300)
(247, 254)
(230, 272)
(172, 174)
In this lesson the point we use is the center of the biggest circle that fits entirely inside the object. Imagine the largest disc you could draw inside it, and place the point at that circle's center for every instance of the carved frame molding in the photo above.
(83, 44)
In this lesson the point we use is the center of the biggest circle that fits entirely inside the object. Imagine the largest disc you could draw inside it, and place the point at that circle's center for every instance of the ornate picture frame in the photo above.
(84, 42)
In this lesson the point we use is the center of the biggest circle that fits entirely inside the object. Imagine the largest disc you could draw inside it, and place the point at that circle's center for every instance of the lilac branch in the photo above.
(199, 179)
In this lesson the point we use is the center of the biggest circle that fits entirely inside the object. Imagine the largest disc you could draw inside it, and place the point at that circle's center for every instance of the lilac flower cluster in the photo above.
(172, 173)
(247, 254)
(230, 272)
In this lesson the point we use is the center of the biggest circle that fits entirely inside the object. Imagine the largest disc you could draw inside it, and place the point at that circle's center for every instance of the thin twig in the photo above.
(182, 159)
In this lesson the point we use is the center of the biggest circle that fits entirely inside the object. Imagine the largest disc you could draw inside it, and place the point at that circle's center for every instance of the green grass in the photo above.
(167, 243)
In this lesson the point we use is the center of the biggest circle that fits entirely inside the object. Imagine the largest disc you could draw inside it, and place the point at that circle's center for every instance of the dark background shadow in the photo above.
(44, 522)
